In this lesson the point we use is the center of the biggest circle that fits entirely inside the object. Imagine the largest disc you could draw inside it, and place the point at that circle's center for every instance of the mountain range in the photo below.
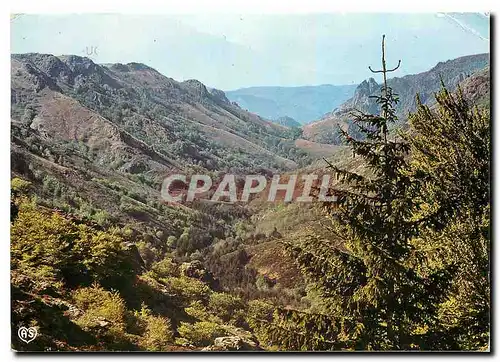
(135, 125)
(425, 84)
(304, 104)
(125, 107)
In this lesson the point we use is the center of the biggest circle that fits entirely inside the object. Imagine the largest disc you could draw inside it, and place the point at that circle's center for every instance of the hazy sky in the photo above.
(232, 51)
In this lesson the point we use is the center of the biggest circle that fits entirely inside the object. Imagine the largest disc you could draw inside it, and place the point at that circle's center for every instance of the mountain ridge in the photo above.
(450, 72)
(302, 103)
(137, 88)
(102, 138)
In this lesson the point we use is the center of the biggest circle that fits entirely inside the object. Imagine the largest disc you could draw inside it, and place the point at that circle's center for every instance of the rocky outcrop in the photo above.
(195, 87)
(219, 96)
(233, 343)
(451, 73)
(195, 269)
(476, 88)
(361, 98)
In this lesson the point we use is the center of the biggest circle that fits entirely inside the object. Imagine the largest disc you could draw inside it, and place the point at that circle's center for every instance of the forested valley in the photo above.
(401, 261)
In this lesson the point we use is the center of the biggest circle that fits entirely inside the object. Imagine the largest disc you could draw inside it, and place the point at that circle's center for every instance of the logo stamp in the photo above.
(27, 334)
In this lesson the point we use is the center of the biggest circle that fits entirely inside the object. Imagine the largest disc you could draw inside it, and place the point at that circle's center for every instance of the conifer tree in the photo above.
(451, 153)
(375, 298)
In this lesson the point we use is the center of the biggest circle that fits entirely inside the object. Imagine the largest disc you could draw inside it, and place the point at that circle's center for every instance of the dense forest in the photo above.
(406, 266)
(401, 261)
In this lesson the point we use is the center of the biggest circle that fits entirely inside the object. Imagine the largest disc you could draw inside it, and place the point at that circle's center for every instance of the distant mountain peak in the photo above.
(451, 73)
(371, 82)
(366, 87)
(196, 87)
(119, 67)
(80, 65)
(362, 94)
(76, 60)
(426, 83)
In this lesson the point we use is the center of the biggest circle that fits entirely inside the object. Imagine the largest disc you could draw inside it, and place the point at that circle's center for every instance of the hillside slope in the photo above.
(97, 140)
(183, 122)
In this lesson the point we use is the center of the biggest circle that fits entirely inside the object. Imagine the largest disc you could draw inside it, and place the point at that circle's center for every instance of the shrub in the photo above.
(19, 186)
(101, 308)
(200, 333)
(197, 310)
(225, 306)
(171, 241)
(103, 218)
(39, 239)
(259, 318)
(187, 288)
(77, 253)
(104, 256)
(105, 316)
(165, 268)
(156, 331)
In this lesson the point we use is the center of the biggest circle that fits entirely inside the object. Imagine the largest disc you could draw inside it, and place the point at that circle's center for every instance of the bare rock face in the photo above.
(477, 87)
(196, 270)
(219, 96)
(133, 251)
(195, 88)
(365, 89)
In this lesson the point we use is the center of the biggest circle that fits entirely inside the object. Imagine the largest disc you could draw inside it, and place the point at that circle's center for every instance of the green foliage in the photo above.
(104, 256)
(405, 264)
(171, 241)
(95, 276)
(225, 306)
(199, 311)
(100, 307)
(200, 333)
(410, 239)
(165, 268)
(451, 149)
(157, 334)
(76, 252)
(51, 253)
(104, 314)
(19, 186)
(40, 246)
(187, 288)
(259, 317)
(371, 280)
(103, 218)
